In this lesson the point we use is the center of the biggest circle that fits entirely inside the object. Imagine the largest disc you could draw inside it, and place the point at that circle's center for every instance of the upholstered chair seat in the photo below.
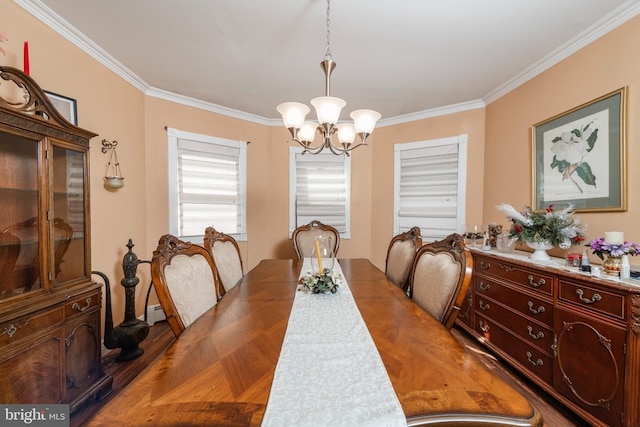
(304, 238)
(185, 280)
(400, 254)
(441, 274)
(226, 256)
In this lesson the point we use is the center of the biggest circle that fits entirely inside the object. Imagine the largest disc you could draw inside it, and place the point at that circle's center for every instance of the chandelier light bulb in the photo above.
(365, 120)
(346, 133)
(328, 108)
(293, 114)
(307, 132)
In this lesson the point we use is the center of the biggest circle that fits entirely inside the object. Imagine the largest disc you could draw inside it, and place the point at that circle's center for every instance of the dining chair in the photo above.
(400, 255)
(226, 256)
(184, 277)
(304, 237)
(440, 277)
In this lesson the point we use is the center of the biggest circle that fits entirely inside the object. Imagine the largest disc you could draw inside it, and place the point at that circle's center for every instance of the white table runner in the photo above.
(330, 372)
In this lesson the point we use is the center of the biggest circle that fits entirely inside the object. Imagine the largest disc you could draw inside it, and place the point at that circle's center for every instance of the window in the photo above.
(207, 185)
(430, 186)
(319, 188)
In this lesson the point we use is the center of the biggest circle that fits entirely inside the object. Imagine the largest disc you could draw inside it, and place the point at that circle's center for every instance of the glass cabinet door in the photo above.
(67, 216)
(19, 232)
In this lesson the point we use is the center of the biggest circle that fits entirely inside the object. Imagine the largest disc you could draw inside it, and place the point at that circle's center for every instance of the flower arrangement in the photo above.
(555, 227)
(319, 283)
(601, 247)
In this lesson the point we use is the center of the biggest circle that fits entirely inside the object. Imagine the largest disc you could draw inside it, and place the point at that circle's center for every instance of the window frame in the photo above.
(293, 151)
(173, 135)
(461, 141)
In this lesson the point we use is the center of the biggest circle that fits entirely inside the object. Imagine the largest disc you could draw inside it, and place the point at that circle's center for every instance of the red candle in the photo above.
(26, 58)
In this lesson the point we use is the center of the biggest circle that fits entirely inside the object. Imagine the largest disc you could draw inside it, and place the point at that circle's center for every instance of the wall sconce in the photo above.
(113, 178)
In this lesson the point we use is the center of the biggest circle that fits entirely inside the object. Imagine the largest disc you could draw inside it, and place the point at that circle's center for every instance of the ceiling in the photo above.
(400, 57)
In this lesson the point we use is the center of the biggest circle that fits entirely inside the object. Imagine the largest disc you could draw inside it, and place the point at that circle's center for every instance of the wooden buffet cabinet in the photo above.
(576, 336)
(49, 306)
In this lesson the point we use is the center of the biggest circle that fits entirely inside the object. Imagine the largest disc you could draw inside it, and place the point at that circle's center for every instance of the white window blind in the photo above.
(430, 186)
(207, 185)
(320, 190)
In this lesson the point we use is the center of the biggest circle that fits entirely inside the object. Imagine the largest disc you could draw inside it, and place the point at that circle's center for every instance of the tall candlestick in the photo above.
(26, 58)
(614, 237)
(319, 257)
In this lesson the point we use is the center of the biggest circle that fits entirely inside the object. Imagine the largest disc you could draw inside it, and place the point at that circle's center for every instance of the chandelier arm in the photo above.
(307, 148)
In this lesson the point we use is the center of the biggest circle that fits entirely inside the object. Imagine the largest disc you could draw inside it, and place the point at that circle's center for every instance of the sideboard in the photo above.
(575, 335)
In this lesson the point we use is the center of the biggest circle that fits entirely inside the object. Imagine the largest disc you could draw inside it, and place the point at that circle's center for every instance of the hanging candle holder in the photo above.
(112, 174)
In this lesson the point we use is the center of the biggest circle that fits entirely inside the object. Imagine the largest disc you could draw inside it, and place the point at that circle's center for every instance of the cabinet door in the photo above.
(32, 373)
(82, 355)
(19, 210)
(589, 367)
(67, 218)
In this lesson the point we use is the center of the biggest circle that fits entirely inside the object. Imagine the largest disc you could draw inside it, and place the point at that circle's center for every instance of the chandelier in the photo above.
(328, 112)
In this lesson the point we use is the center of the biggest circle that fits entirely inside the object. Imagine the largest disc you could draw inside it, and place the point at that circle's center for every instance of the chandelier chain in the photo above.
(328, 52)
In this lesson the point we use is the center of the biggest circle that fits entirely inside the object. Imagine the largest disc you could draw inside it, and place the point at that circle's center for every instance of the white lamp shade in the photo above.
(365, 120)
(307, 132)
(293, 114)
(328, 108)
(346, 133)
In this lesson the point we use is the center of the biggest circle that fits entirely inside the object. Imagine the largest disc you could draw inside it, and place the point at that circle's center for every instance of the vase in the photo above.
(540, 250)
(612, 265)
(322, 255)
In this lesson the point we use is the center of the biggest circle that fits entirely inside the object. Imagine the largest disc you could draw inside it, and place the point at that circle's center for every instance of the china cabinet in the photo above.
(575, 335)
(49, 306)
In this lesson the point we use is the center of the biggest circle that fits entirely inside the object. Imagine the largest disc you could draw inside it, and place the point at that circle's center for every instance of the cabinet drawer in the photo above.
(532, 307)
(592, 298)
(528, 357)
(520, 276)
(532, 332)
(21, 328)
(81, 304)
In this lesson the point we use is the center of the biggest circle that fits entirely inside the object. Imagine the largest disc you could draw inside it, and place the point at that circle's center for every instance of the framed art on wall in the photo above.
(579, 157)
(67, 107)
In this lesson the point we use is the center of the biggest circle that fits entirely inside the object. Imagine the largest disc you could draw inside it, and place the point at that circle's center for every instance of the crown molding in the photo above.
(611, 21)
(608, 23)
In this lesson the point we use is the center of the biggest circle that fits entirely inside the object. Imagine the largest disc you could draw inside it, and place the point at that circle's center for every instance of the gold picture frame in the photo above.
(579, 157)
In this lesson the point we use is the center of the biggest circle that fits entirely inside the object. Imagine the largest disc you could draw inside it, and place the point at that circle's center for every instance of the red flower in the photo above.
(518, 228)
(549, 208)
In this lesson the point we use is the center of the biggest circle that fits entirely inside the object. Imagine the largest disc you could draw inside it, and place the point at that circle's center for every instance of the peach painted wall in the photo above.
(605, 65)
(499, 150)
(108, 106)
(468, 122)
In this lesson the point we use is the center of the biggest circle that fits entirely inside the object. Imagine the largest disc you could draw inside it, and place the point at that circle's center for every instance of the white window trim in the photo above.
(462, 141)
(173, 136)
(292, 195)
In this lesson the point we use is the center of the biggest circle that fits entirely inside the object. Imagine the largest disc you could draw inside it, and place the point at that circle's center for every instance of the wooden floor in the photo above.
(160, 336)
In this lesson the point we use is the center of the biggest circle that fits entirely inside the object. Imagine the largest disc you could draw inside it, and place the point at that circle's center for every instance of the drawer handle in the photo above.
(483, 306)
(484, 327)
(485, 265)
(485, 286)
(580, 293)
(535, 284)
(537, 336)
(506, 268)
(538, 362)
(13, 328)
(77, 307)
(535, 310)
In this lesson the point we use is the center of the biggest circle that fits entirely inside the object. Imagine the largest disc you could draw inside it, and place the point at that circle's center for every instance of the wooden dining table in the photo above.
(219, 371)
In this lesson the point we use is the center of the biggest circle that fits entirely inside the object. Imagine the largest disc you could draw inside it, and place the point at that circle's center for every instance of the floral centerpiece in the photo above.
(544, 229)
(614, 247)
(601, 248)
(319, 283)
